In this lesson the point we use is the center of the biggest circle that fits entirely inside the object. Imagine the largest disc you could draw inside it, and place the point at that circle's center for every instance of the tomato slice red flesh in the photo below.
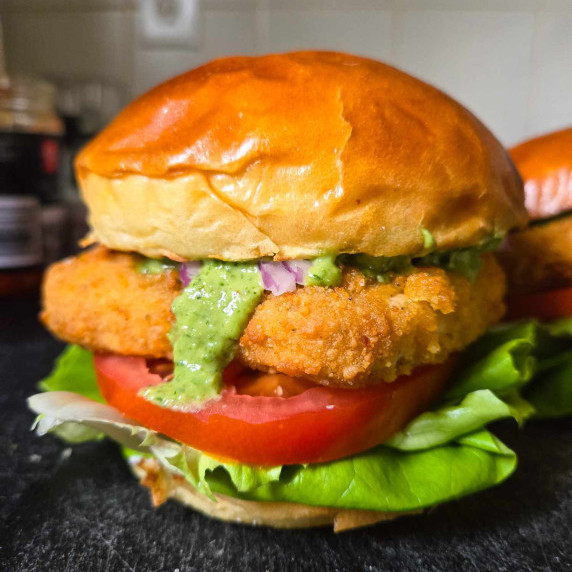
(313, 424)
(542, 305)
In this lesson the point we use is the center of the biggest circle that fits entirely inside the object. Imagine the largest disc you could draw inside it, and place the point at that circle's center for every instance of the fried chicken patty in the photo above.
(352, 335)
(539, 258)
(100, 301)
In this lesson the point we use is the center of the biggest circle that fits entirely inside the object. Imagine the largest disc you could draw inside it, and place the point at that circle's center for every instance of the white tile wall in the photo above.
(223, 32)
(481, 58)
(510, 61)
(550, 99)
(364, 32)
(71, 43)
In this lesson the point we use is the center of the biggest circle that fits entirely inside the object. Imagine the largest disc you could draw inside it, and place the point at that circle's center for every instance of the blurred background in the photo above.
(71, 65)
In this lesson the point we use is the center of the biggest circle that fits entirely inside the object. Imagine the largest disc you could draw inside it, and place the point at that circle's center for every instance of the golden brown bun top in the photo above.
(297, 154)
(545, 164)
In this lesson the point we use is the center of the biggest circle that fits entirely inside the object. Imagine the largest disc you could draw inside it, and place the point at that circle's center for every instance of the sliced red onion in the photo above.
(299, 268)
(188, 270)
(280, 277)
(277, 278)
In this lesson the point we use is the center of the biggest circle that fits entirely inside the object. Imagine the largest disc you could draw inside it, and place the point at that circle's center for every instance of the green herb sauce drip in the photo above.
(211, 313)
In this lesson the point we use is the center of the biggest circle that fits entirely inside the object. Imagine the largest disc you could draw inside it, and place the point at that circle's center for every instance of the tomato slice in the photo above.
(543, 305)
(313, 424)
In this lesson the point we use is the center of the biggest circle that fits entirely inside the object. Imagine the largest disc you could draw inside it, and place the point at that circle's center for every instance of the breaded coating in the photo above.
(98, 300)
(356, 334)
(362, 332)
(539, 258)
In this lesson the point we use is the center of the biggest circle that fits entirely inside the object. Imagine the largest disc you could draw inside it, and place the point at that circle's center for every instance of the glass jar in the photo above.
(31, 217)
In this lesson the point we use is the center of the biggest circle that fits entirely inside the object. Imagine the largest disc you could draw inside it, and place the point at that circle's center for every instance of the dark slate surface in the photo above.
(80, 509)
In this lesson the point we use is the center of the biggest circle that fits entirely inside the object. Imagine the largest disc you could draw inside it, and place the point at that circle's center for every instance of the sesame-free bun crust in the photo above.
(293, 155)
(545, 164)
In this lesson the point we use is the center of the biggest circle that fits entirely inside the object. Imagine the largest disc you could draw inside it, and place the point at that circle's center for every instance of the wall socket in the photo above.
(170, 23)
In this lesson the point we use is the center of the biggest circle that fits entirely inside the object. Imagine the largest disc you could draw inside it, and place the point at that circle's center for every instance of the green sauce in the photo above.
(378, 267)
(466, 261)
(428, 240)
(155, 265)
(210, 313)
(324, 272)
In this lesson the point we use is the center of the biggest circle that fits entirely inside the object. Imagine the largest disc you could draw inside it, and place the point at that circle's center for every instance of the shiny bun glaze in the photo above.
(293, 155)
(545, 164)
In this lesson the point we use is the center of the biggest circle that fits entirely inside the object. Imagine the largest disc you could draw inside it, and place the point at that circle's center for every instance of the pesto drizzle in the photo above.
(466, 261)
(324, 272)
(210, 314)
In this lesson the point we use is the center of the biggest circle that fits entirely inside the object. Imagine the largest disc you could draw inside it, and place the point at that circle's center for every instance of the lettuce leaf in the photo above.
(551, 391)
(476, 410)
(387, 479)
(73, 371)
(382, 478)
(529, 357)
(551, 395)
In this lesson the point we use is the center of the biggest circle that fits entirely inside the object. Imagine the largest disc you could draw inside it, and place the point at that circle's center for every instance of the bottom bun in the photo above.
(163, 485)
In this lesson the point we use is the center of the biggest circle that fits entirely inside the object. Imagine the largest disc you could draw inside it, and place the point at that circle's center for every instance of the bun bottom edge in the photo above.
(163, 484)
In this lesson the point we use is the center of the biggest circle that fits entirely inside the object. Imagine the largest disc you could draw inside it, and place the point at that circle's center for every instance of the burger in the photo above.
(538, 260)
(281, 316)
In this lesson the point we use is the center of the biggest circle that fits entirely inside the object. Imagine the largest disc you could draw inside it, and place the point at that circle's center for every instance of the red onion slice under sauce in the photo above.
(299, 268)
(188, 270)
(280, 277)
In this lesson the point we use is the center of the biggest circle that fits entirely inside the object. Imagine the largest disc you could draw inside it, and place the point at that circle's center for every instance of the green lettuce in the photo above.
(73, 371)
(552, 395)
(532, 358)
(387, 479)
(383, 478)
(514, 371)
(446, 423)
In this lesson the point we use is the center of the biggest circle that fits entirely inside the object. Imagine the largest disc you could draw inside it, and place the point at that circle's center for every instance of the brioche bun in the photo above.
(539, 258)
(164, 485)
(292, 155)
(545, 164)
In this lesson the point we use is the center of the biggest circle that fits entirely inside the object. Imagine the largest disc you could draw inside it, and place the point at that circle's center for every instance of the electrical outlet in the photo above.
(170, 23)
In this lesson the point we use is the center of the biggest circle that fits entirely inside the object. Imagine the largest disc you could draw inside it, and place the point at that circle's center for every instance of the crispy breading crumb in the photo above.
(362, 332)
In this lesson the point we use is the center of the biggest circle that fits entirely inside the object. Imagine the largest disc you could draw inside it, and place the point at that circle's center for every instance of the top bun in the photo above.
(545, 164)
(295, 155)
